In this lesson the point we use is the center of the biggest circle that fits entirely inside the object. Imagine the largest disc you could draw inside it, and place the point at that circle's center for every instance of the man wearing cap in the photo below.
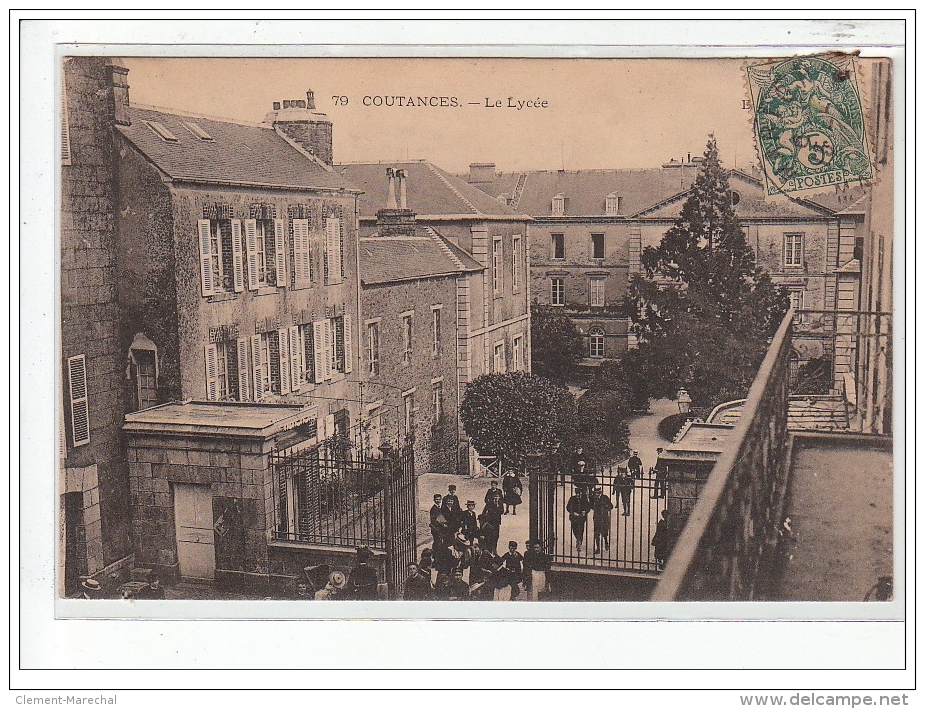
(451, 510)
(90, 589)
(439, 527)
(536, 563)
(577, 508)
(417, 586)
(514, 562)
(634, 465)
(363, 583)
(458, 589)
(494, 496)
(661, 475)
(602, 508)
(469, 521)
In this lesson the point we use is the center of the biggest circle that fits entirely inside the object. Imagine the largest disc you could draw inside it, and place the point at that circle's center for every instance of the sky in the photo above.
(599, 113)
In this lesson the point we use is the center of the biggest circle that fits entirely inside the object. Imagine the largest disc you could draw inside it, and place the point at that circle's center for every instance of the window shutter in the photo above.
(237, 253)
(258, 366)
(348, 344)
(243, 371)
(80, 408)
(295, 358)
(284, 371)
(211, 372)
(328, 348)
(332, 249)
(65, 129)
(205, 257)
(300, 251)
(320, 350)
(282, 273)
(250, 233)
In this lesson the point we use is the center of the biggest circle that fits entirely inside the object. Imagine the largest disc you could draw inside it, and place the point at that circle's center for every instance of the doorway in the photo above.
(195, 533)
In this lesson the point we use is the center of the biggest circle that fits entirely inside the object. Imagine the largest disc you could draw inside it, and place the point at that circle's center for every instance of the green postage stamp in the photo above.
(809, 124)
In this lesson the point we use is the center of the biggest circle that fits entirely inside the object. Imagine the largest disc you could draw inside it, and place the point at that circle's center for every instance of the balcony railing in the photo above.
(723, 550)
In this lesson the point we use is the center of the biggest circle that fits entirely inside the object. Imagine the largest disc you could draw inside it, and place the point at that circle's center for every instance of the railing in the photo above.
(721, 553)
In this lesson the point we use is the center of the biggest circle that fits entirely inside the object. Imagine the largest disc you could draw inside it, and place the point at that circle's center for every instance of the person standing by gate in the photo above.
(363, 583)
(623, 487)
(490, 527)
(661, 475)
(511, 489)
(578, 516)
(663, 540)
(634, 465)
(602, 508)
(536, 563)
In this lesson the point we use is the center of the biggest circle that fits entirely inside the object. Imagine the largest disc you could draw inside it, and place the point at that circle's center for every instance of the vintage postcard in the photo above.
(496, 329)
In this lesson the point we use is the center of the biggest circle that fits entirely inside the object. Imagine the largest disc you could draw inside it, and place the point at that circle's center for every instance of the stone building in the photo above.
(491, 307)
(412, 278)
(94, 489)
(590, 227)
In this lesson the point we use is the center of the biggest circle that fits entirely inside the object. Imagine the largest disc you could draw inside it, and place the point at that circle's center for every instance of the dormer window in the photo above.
(558, 205)
(613, 204)
(162, 132)
(196, 130)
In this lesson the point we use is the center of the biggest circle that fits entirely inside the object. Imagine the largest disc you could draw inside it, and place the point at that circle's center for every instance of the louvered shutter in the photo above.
(250, 237)
(205, 257)
(329, 345)
(348, 344)
(237, 252)
(295, 358)
(300, 253)
(65, 128)
(211, 372)
(320, 350)
(257, 367)
(333, 249)
(284, 371)
(244, 371)
(80, 408)
(282, 272)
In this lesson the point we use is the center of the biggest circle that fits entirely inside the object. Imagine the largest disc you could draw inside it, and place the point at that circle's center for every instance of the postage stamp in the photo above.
(809, 124)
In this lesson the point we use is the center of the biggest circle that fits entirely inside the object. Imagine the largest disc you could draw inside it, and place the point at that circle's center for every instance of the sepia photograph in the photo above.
(476, 329)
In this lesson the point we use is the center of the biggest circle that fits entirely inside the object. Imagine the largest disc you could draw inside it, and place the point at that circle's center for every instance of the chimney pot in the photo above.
(276, 105)
(286, 104)
(310, 99)
(390, 202)
(300, 103)
(119, 78)
(402, 190)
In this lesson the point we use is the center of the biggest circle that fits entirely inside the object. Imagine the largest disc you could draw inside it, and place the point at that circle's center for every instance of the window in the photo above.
(497, 277)
(221, 256)
(793, 249)
(796, 302)
(334, 251)
(558, 246)
(407, 399)
(162, 131)
(301, 253)
(518, 347)
(498, 364)
(558, 291)
(558, 205)
(597, 246)
(343, 343)
(372, 426)
(437, 385)
(142, 370)
(222, 381)
(516, 260)
(596, 337)
(266, 255)
(436, 332)
(612, 204)
(197, 130)
(596, 284)
(80, 407)
(324, 347)
(372, 347)
(407, 336)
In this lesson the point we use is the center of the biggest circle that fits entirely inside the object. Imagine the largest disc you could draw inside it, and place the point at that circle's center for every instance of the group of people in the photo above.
(464, 539)
(320, 583)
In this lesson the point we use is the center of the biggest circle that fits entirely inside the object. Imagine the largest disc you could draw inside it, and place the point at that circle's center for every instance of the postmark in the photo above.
(809, 124)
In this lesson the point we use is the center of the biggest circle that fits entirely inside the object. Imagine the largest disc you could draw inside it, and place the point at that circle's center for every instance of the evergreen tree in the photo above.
(704, 310)
(556, 345)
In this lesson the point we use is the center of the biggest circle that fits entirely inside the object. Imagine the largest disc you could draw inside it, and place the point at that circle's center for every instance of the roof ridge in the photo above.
(455, 191)
(202, 116)
(446, 249)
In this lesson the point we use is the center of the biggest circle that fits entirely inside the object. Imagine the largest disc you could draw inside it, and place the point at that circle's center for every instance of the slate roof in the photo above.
(639, 190)
(237, 154)
(430, 190)
(385, 259)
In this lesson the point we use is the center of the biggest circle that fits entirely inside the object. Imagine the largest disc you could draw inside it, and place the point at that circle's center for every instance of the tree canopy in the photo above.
(509, 415)
(555, 342)
(703, 309)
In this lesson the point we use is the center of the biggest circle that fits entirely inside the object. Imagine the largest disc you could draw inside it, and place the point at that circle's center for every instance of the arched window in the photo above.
(596, 335)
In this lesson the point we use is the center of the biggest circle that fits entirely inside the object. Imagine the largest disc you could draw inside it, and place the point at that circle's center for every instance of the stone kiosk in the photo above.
(202, 488)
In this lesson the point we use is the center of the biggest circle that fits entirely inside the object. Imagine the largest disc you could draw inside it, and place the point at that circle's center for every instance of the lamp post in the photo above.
(684, 401)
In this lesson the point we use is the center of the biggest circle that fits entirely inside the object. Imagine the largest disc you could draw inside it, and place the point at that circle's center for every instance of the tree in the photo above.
(703, 309)
(509, 415)
(556, 344)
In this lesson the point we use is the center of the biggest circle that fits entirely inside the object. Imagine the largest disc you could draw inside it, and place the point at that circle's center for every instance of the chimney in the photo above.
(395, 220)
(119, 78)
(300, 123)
(402, 190)
(481, 172)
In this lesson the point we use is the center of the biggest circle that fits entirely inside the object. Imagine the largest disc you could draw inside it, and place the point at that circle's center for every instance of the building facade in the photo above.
(491, 306)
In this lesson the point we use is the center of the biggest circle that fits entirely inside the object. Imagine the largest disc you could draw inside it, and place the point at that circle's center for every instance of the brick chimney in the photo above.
(119, 79)
(300, 124)
(396, 220)
(481, 172)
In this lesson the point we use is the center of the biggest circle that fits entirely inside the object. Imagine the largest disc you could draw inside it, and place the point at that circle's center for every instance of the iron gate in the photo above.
(334, 494)
(601, 538)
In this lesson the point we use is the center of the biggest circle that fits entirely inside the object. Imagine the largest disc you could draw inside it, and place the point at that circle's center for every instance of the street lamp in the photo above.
(684, 401)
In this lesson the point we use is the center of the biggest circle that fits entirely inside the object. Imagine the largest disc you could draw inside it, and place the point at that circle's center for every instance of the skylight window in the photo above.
(196, 130)
(163, 132)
